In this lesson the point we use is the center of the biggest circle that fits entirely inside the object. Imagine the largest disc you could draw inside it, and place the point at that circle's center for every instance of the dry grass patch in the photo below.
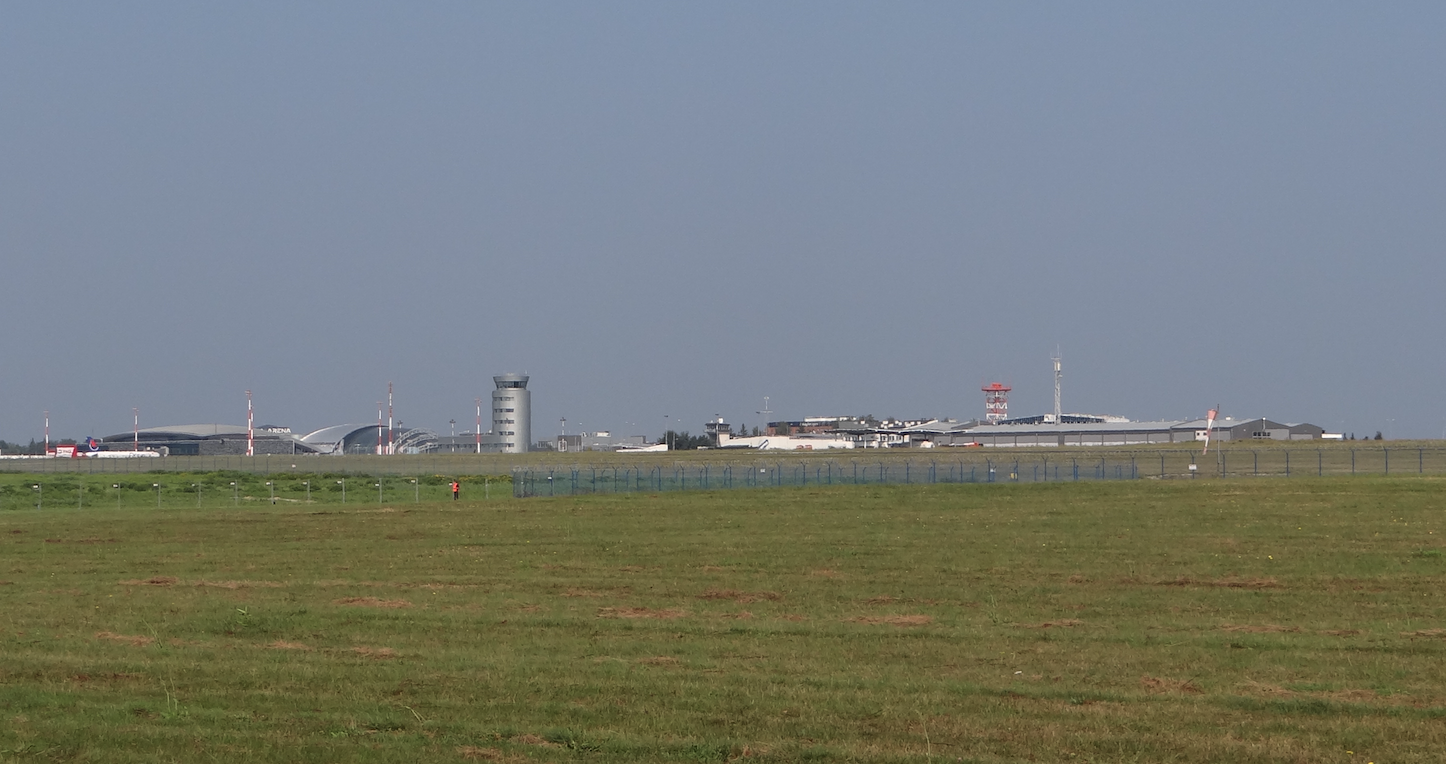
(152, 581)
(240, 584)
(533, 740)
(659, 660)
(1340, 632)
(743, 598)
(741, 615)
(1157, 684)
(282, 644)
(893, 620)
(373, 602)
(640, 612)
(375, 652)
(1268, 628)
(1077, 579)
(825, 573)
(1425, 633)
(585, 593)
(124, 638)
(881, 600)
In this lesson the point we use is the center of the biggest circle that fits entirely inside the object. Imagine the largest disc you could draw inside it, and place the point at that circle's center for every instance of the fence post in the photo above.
(1387, 452)
(1420, 461)
(1287, 462)
(1353, 461)
(1319, 463)
(1256, 470)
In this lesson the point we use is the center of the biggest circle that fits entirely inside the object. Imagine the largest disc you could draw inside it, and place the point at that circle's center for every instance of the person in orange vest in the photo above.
(456, 489)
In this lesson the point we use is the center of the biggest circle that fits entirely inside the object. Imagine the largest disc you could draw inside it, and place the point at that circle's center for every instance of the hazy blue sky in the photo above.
(679, 208)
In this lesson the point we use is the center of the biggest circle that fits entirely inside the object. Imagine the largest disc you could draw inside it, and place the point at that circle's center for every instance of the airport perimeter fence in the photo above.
(975, 467)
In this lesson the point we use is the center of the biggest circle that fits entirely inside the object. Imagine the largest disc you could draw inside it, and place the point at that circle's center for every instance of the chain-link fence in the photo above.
(974, 467)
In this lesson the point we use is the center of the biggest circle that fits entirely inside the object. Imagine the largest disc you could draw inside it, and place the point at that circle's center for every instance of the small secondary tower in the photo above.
(996, 402)
(250, 432)
(1058, 412)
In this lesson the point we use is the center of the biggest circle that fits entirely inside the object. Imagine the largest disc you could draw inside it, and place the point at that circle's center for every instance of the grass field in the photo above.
(1266, 620)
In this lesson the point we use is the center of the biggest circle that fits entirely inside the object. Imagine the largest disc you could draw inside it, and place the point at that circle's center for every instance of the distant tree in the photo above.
(756, 433)
(1378, 436)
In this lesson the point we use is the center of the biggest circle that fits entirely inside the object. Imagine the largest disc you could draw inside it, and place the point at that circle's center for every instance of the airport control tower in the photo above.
(512, 413)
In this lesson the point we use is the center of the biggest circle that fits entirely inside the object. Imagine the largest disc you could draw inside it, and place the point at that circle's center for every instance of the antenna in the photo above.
(1058, 412)
(136, 444)
(250, 434)
(479, 425)
(766, 412)
(391, 449)
(47, 431)
(379, 428)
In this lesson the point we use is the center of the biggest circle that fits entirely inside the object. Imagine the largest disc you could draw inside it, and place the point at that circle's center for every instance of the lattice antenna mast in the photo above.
(250, 432)
(391, 444)
(1058, 412)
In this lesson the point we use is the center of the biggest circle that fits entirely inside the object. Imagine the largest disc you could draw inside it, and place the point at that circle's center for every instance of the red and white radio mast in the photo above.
(391, 447)
(136, 444)
(996, 402)
(47, 432)
(250, 433)
(379, 428)
(479, 425)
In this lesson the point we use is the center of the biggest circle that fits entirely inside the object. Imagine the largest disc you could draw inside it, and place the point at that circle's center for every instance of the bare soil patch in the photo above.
(1066, 623)
(640, 612)
(1340, 632)
(742, 598)
(134, 641)
(741, 615)
(881, 600)
(82, 541)
(825, 573)
(373, 602)
(659, 660)
(1229, 582)
(152, 581)
(584, 593)
(1077, 579)
(1425, 633)
(533, 740)
(282, 644)
(893, 620)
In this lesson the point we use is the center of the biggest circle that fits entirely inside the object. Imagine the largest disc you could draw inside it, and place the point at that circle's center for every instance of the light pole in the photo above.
(453, 422)
(668, 432)
(342, 483)
(39, 496)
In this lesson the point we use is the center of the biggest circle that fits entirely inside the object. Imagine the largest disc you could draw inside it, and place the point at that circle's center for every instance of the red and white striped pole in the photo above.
(136, 444)
(479, 425)
(391, 447)
(47, 432)
(250, 433)
(379, 428)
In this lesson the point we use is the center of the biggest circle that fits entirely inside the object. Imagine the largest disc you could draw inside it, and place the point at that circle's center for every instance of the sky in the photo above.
(664, 212)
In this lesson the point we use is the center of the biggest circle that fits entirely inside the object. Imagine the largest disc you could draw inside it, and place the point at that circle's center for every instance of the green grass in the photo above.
(1247, 621)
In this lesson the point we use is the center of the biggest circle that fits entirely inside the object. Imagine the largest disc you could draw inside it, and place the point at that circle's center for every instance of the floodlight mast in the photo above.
(379, 428)
(250, 431)
(391, 446)
(47, 431)
(479, 425)
(136, 432)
